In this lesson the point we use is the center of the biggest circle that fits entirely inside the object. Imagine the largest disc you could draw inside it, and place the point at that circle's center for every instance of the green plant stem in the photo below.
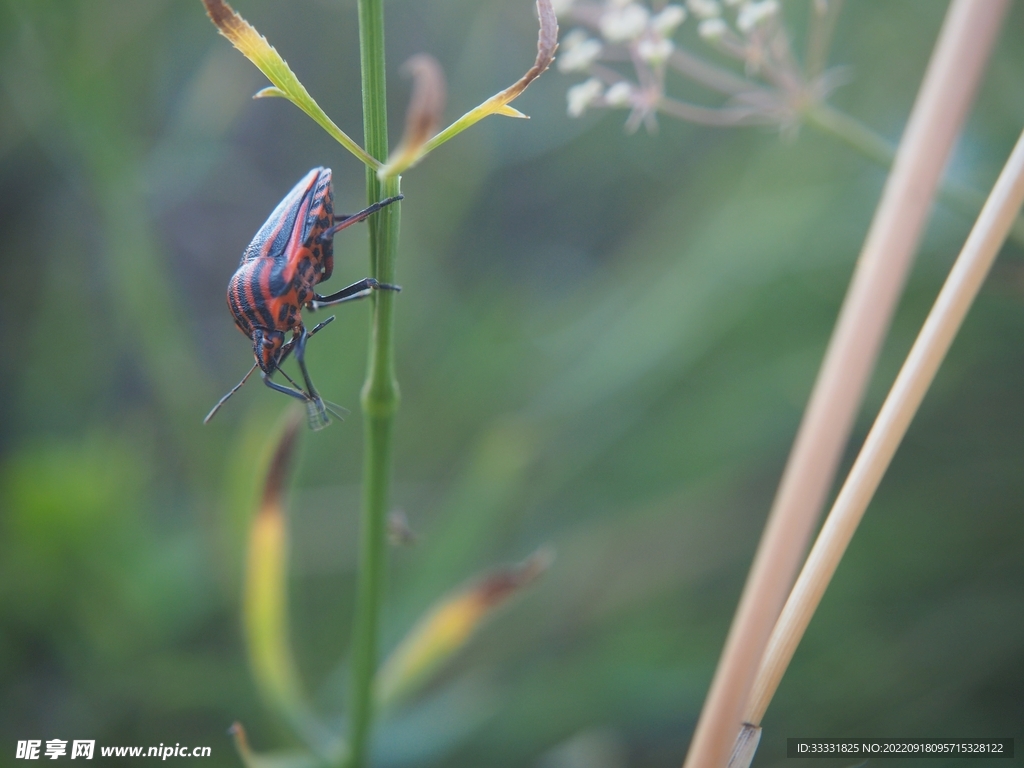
(840, 125)
(380, 392)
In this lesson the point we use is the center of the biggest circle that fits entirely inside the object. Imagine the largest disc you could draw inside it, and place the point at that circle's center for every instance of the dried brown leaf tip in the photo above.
(231, 24)
(224, 16)
(547, 44)
(280, 464)
(424, 113)
(427, 102)
(449, 625)
(500, 585)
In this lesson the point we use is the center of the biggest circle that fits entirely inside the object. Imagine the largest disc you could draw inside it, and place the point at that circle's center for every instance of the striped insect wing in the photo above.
(294, 218)
(320, 213)
(319, 218)
(260, 291)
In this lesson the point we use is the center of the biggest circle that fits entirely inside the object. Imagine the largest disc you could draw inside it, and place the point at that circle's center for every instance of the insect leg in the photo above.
(318, 326)
(316, 409)
(290, 344)
(359, 290)
(340, 222)
(300, 357)
(296, 393)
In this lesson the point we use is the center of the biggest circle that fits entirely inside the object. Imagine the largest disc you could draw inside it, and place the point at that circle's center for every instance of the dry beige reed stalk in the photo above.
(914, 379)
(966, 38)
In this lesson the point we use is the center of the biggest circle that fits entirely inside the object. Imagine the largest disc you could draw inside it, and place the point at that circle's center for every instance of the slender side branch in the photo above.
(840, 125)
(827, 118)
(717, 78)
(724, 116)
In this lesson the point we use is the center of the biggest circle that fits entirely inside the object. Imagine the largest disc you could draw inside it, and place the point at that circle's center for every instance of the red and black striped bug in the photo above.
(293, 252)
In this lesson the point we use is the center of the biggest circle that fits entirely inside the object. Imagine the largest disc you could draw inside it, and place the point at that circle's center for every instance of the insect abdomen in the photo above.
(247, 298)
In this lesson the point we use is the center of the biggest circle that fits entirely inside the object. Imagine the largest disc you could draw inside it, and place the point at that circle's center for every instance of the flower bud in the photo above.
(619, 95)
(669, 19)
(583, 95)
(712, 29)
(625, 23)
(705, 9)
(754, 13)
(578, 52)
(655, 50)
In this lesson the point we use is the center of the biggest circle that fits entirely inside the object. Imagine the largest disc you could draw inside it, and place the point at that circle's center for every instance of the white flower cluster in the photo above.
(630, 24)
(619, 30)
(612, 35)
(751, 15)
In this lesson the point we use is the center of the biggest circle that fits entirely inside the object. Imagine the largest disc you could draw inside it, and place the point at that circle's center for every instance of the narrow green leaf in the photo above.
(265, 603)
(449, 625)
(261, 53)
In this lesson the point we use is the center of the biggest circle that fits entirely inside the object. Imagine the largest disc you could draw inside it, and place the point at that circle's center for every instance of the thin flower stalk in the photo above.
(939, 110)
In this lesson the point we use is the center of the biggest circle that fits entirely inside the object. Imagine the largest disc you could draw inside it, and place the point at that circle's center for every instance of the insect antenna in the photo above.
(294, 385)
(224, 399)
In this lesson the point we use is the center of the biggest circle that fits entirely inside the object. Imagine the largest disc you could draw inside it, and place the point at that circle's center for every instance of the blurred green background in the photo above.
(604, 344)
